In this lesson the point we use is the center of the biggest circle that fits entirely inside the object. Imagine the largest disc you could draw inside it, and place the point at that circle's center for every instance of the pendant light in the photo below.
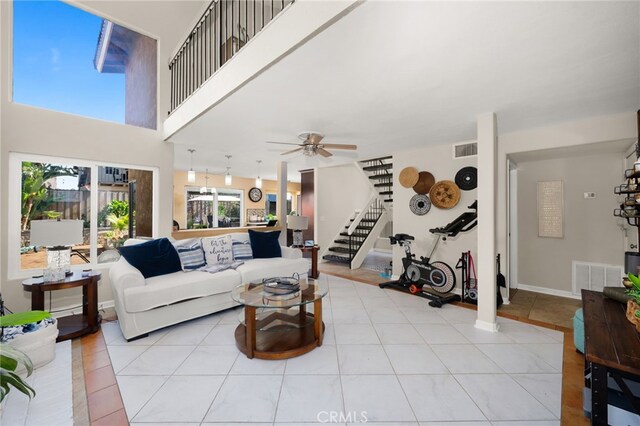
(205, 189)
(227, 176)
(259, 179)
(191, 175)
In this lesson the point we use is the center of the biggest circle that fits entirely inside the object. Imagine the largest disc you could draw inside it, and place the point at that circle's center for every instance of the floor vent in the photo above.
(465, 150)
(595, 276)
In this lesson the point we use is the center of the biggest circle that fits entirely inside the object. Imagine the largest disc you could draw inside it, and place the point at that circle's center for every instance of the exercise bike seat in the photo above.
(400, 238)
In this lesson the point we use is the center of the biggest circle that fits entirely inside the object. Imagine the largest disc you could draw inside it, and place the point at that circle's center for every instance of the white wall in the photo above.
(575, 133)
(591, 233)
(438, 160)
(339, 192)
(37, 131)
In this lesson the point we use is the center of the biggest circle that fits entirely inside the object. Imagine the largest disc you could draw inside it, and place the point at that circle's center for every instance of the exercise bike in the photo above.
(437, 276)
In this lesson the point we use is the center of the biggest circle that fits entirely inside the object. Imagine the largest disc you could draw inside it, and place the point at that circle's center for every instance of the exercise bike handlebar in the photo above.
(463, 223)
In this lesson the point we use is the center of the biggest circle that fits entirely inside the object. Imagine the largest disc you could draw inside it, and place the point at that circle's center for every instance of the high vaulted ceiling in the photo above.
(396, 75)
(167, 20)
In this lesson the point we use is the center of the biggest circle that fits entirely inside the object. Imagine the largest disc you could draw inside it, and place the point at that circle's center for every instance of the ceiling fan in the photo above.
(312, 145)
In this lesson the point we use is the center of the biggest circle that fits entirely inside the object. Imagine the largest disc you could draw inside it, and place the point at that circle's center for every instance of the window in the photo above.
(217, 208)
(68, 60)
(271, 203)
(114, 203)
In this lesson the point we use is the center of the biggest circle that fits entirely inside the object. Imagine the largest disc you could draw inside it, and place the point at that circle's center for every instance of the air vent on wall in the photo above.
(595, 276)
(465, 150)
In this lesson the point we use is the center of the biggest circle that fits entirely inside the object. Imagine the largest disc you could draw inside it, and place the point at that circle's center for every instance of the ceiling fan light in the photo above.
(258, 182)
(191, 176)
(228, 179)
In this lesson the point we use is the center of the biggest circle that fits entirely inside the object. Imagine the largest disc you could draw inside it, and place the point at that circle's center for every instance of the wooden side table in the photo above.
(612, 348)
(75, 325)
(314, 259)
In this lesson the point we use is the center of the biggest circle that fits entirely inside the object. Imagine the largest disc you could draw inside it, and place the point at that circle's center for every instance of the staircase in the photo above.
(380, 173)
(361, 230)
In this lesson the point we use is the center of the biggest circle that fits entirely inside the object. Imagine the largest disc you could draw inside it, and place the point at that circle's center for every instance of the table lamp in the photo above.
(57, 236)
(298, 224)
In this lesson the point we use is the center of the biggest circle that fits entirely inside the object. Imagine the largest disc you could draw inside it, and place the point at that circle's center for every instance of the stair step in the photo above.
(390, 200)
(386, 166)
(336, 258)
(388, 157)
(381, 176)
(385, 192)
(355, 234)
(355, 243)
(385, 184)
(342, 250)
(362, 227)
(366, 220)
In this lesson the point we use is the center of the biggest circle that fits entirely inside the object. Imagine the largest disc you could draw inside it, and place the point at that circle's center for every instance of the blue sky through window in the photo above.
(53, 49)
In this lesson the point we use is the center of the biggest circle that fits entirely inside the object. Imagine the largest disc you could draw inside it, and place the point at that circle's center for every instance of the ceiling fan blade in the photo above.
(292, 151)
(314, 138)
(285, 143)
(324, 152)
(339, 146)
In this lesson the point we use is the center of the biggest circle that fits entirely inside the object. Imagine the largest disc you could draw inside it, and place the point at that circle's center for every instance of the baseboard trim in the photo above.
(487, 326)
(550, 291)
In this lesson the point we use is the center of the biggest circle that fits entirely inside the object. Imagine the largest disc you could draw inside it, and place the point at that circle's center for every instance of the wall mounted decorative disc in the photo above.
(467, 178)
(408, 177)
(445, 194)
(420, 204)
(425, 182)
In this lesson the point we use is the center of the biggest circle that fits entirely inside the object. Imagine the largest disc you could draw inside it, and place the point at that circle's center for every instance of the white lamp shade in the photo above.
(52, 233)
(191, 176)
(298, 222)
(227, 179)
(258, 182)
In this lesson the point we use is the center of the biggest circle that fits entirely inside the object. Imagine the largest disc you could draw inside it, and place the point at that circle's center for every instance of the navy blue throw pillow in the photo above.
(153, 258)
(265, 245)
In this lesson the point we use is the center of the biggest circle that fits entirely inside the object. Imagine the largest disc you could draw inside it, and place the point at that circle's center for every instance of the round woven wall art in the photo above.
(425, 182)
(408, 177)
(467, 178)
(445, 194)
(420, 204)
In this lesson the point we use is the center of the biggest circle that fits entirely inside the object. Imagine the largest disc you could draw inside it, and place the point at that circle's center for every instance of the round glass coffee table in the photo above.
(279, 326)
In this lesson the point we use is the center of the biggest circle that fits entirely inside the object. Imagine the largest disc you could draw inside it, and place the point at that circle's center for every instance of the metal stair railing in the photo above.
(222, 30)
(371, 214)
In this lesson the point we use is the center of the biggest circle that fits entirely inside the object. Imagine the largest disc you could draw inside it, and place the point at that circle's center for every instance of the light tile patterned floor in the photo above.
(387, 357)
(53, 403)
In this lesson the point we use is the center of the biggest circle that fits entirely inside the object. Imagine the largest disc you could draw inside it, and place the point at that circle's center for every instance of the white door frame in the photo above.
(512, 224)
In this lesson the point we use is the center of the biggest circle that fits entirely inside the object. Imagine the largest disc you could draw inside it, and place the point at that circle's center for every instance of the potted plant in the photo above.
(10, 359)
(633, 305)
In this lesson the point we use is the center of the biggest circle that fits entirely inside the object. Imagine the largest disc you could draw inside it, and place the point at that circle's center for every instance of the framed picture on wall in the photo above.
(550, 209)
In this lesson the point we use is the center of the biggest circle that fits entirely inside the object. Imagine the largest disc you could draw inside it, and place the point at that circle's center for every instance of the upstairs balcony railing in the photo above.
(224, 28)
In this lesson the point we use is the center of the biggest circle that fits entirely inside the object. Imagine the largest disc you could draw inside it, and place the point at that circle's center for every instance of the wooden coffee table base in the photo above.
(280, 341)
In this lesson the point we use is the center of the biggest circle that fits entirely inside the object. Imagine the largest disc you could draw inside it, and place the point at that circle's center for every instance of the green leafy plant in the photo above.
(116, 207)
(10, 359)
(634, 291)
(119, 228)
(35, 194)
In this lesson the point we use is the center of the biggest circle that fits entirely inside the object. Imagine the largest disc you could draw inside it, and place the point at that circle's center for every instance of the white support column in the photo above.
(487, 183)
(281, 205)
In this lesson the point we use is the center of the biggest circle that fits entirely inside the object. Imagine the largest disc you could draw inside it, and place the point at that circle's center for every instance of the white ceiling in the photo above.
(168, 20)
(396, 75)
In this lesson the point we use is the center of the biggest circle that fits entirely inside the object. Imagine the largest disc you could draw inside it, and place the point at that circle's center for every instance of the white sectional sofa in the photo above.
(145, 305)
